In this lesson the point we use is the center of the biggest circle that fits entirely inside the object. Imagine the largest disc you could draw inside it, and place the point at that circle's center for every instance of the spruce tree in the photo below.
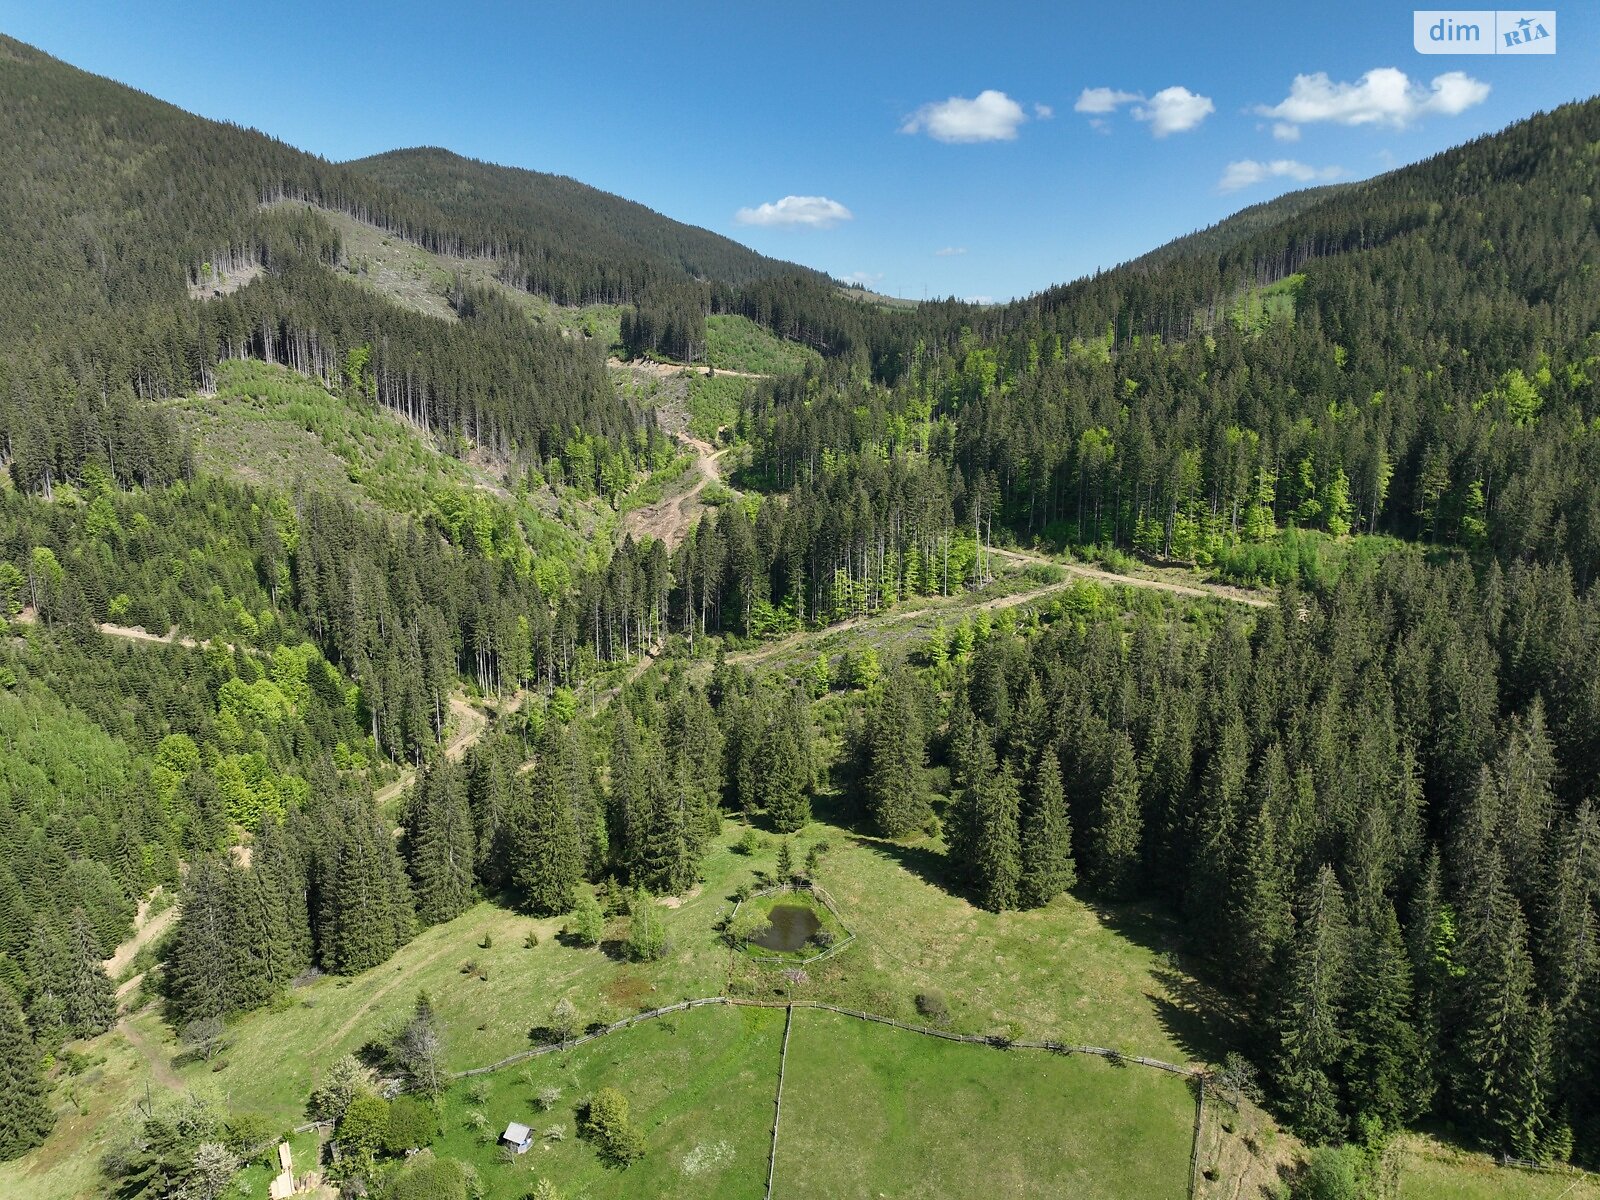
(996, 842)
(200, 966)
(695, 753)
(1430, 949)
(670, 862)
(1494, 1083)
(1258, 920)
(628, 802)
(1308, 1023)
(278, 867)
(1047, 866)
(47, 969)
(90, 997)
(1383, 1070)
(1114, 858)
(782, 782)
(441, 846)
(896, 791)
(25, 1116)
(367, 904)
(961, 820)
(260, 950)
(547, 851)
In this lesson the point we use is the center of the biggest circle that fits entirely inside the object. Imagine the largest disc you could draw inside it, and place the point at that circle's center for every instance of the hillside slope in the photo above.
(558, 214)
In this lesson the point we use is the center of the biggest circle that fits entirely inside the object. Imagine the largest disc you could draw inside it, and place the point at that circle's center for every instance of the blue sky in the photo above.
(704, 110)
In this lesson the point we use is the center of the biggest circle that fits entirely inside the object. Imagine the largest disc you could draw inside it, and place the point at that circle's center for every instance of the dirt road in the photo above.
(146, 929)
(669, 519)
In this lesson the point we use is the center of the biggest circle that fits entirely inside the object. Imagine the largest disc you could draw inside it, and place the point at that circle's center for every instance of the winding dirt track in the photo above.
(669, 519)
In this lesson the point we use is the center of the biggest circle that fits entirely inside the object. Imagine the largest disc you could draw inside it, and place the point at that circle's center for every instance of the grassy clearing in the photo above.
(94, 1113)
(735, 343)
(1064, 971)
(700, 1088)
(872, 1111)
(1431, 1170)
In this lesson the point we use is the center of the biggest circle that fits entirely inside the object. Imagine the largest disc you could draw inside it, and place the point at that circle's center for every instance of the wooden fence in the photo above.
(777, 1103)
(974, 1039)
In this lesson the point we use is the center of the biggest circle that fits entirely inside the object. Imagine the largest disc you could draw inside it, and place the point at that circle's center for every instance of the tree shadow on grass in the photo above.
(927, 863)
(1205, 1021)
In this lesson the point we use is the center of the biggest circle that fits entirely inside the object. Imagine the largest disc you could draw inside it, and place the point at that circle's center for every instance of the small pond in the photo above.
(789, 927)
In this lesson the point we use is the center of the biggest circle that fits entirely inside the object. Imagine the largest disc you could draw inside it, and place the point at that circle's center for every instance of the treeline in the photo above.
(1375, 809)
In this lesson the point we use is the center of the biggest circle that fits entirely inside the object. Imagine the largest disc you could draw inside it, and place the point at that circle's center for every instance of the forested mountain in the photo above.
(560, 220)
(1416, 356)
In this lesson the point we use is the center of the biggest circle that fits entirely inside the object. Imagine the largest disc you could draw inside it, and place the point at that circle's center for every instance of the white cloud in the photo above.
(863, 278)
(978, 299)
(990, 117)
(1247, 172)
(806, 212)
(1285, 132)
(1043, 111)
(1174, 110)
(1103, 100)
(1383, 96)
(950, 251)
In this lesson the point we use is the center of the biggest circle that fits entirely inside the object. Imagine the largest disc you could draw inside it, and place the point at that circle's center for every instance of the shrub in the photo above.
(547, 1097)
(605, 1121)
(588, 923)
(1334, 1173)
(364, 1126)
(412, 1125)
(745, 925)
(932, 1006)
(749, 842)
(647, 932)
(431, 1179)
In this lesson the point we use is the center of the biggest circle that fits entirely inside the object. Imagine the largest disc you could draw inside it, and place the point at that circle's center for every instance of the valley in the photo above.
(509, 694)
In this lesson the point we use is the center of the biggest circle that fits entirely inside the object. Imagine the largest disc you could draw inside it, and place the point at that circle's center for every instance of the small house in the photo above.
(518, 1137)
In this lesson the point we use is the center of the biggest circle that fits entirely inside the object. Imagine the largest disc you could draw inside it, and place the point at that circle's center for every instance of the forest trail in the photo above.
(160, 1068)
(383, 991)
(146, 929)
(132, 633)
(669, 519)
(471, 724)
